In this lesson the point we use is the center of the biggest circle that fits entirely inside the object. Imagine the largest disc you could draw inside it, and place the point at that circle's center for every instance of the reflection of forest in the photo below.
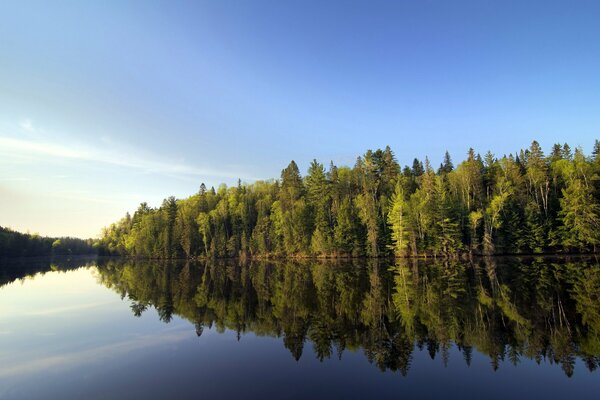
(504, 309)
(12, 269)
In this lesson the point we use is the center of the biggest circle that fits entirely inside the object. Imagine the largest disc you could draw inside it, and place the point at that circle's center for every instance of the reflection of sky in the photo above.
(105, 104)
(55, 323)
(61, 319)
(71, 359)
(65, 336)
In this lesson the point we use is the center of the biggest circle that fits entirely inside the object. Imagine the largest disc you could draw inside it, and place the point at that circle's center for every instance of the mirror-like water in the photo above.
(498, 328)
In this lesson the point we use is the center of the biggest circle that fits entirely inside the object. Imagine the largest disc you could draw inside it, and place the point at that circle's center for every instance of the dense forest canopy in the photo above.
(17, 244)
(530, 202)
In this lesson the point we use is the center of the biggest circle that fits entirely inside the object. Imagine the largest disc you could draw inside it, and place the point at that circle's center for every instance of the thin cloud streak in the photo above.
(27, 125)
(22, 147)
(81, 357)
(64, 309)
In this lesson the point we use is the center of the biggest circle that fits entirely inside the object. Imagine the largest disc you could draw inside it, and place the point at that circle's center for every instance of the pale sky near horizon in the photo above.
(107, 104)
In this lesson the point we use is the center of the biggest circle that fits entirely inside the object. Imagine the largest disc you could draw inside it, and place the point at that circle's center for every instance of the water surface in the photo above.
(499, 328)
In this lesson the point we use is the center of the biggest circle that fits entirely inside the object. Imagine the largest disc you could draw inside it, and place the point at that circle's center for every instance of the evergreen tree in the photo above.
(446, 167)
(398, 220)
(319, 197)
(580, 216)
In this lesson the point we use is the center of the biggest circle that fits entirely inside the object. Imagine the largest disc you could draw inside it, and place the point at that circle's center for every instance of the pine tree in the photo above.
(446, 167)
(319, 197)
(580, 216)
(398, 221)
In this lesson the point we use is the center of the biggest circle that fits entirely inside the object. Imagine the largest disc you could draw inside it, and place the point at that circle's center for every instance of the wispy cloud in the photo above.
(65, 309)
(14, 179)
(27, 125)
(33, 364)
(18, 147)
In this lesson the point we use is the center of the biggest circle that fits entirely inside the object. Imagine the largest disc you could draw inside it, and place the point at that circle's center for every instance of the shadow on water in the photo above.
(507, 309)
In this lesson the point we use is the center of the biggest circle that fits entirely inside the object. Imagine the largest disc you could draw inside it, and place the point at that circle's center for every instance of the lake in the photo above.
(87, 328)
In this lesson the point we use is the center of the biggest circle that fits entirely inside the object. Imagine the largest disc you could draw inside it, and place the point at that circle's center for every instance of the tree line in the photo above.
(524, 203)
(17, 244)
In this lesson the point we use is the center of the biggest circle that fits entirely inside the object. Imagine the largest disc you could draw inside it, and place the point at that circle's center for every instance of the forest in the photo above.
(17, 244)
(524, 203)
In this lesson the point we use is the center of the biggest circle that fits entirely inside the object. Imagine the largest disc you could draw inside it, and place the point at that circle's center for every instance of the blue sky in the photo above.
(107, 104)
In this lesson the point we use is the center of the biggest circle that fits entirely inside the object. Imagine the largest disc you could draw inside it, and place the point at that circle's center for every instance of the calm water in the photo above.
(111, 329)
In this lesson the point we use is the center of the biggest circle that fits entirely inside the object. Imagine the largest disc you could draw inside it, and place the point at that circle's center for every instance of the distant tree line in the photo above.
(529, 202)
(17, 244)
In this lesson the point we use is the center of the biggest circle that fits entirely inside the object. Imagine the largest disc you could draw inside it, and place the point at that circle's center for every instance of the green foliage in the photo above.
(524, 203)
(580, 217)
(16, 244)
(398, 220)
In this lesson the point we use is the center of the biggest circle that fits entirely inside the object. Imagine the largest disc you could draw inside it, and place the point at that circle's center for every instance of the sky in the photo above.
(105, 104)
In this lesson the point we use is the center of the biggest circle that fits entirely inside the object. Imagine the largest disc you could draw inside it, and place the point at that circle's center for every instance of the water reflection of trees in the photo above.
(13, 269)
(507, 310)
